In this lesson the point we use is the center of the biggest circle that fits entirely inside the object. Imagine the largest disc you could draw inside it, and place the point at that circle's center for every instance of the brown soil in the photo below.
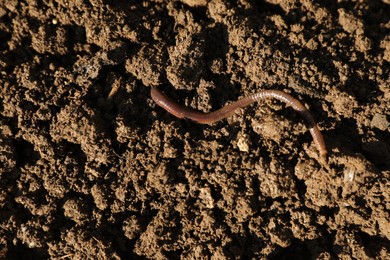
(91, 168)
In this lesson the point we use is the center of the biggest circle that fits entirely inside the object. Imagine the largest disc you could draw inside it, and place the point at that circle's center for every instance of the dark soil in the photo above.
(91, 168)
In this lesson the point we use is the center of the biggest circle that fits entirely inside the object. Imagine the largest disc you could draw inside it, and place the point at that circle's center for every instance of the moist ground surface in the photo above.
(91, 168)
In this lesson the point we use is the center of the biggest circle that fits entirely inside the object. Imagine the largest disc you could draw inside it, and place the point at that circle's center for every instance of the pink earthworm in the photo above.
(179, 111)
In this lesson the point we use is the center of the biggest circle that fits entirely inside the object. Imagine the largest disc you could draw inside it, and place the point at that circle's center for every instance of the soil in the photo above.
(91, 168)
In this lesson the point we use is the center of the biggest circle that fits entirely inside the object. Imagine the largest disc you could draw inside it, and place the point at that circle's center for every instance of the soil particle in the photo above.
(380, 121)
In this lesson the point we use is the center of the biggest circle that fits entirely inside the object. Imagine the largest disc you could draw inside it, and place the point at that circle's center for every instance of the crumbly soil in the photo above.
(91, 168)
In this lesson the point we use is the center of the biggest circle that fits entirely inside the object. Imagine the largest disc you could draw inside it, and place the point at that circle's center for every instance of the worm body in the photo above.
(179, 111)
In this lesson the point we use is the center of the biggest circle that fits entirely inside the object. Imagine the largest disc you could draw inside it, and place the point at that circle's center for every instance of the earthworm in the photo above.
(179, 111)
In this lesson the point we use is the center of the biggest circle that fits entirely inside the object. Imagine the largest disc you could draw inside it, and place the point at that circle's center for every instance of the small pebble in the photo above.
(379, 121)
(243, 143)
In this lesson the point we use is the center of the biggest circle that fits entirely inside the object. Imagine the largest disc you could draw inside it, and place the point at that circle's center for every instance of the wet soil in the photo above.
(91, 168)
